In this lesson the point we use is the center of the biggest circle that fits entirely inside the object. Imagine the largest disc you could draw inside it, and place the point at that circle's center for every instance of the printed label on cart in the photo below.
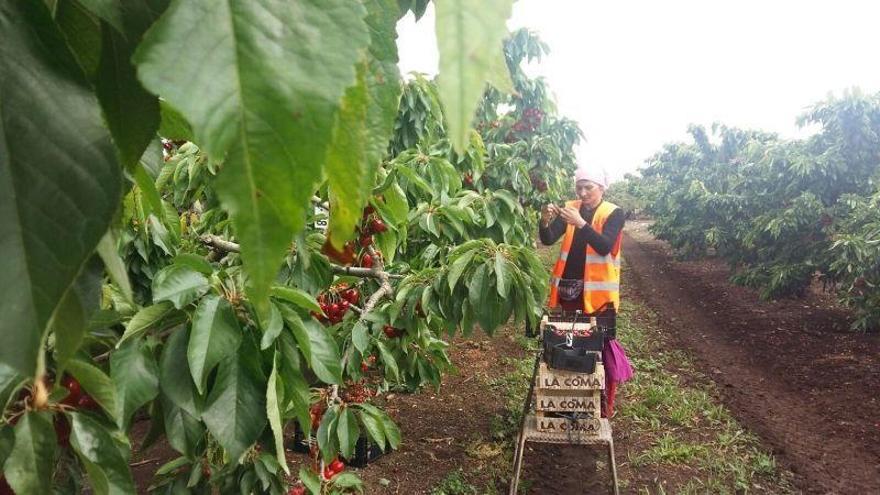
(563, 425)
(565, 380)
(568, 404)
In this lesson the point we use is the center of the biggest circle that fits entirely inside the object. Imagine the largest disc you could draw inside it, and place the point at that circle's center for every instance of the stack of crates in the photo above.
(568, 403)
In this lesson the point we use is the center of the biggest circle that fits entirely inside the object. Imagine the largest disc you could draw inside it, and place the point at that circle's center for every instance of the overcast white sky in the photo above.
(634, 74)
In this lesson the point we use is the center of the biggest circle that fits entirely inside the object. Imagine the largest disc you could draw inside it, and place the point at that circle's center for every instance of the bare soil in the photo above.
(790, 370)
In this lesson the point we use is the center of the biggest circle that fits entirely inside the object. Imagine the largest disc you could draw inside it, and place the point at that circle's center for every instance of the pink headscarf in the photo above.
(593, 175)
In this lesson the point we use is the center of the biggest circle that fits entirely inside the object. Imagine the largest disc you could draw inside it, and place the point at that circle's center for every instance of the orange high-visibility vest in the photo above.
(601, 273)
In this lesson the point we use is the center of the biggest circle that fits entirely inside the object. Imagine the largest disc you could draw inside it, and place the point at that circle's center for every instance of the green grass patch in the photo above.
(455, 483)
(678, 425)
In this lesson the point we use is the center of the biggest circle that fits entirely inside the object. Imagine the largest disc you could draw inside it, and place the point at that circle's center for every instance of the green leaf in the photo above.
(173, 125)
(145, 319)
(264, 97)
(194, 261)
(105, 463)
(364, 124)
(179, 284)
(360, 336)
(109, 11)
(71, 320)
(28, 469)
(477, 286)
(96, 383)
(388, 360)
(10, 381)
(274, 410)
(114, 264)
(327, 440)
(348, 481)
(502, 275)
(296, 389)
(7, 442)
(215, 336)
(392, 432)
(271, 327)
(176, 384)
(348, 432)
(132, 114)
(469, 39)
(184, 432)
(136, 377)
(296, 296)
(374, 428)
(457, 268)
(235, 411)
(397, 205)
(317, 346)
(82, 31)
(153, 159)
(310, 480)
(56, 201)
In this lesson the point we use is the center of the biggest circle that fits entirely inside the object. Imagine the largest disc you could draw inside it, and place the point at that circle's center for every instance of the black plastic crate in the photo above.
(299, 443)
(365, 452)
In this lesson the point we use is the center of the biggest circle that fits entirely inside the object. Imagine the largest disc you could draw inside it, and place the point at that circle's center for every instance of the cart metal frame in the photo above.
(528, 432)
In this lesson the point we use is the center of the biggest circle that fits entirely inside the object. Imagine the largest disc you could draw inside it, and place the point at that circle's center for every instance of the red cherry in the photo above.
(345, 257)
(390, 331)
(74, 390)
(468, 180)
(334, 308)
(297, 490)
(5, 489)
(337, 466)
(369, 210)
(62, 430)
(366, 240)
(328, 473)
(367, 261)
(352, 295)
(377, 225)
(87, 402)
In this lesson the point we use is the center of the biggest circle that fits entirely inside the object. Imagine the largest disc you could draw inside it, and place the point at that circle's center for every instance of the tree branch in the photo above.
(385, 288)
(219, 244)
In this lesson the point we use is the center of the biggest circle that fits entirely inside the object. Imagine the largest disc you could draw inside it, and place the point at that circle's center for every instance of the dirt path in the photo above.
(789, 370)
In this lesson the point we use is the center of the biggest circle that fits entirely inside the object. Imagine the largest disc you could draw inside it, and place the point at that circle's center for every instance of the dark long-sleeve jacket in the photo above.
(602, 242)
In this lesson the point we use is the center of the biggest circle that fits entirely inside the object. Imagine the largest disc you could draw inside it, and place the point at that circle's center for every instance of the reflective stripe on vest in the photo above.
(596, 259)
(612, 286)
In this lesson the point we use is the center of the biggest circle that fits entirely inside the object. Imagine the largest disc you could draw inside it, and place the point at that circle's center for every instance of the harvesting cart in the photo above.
(564, 402)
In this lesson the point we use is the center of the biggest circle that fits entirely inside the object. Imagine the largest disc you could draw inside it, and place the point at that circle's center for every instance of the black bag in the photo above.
(575, 359)
(554, 336)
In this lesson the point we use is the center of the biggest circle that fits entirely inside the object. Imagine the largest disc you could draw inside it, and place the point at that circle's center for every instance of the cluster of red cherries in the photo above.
(370, 225)
(336, 302)
(330, 470)
(538, 183)
(356, 393)
(530, 120)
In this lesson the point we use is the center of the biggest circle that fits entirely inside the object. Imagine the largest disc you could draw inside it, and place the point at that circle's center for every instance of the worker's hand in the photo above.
(572, 216)
(548, 213)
